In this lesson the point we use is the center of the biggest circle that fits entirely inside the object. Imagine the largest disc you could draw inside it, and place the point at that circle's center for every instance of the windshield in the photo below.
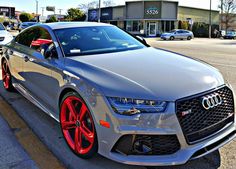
(172, 31)
(230, 33)
(32, 23)
(2, 27)
(95, 40)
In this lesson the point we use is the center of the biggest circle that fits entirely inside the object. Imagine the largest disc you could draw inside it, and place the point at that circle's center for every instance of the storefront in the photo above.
(149, 18)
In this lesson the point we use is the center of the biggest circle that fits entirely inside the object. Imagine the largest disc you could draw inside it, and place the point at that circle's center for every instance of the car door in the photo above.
(16, 52)
(178, 35)
(38, 69)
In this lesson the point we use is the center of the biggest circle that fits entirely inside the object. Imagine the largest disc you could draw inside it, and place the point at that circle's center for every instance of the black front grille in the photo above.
(147, 145)
(201, 123)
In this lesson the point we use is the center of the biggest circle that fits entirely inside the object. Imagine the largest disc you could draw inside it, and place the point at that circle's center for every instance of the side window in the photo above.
(26, 37)
(42, 37)
(43, 43)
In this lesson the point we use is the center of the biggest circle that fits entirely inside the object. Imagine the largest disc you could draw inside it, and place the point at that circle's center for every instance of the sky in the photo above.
(30, 5)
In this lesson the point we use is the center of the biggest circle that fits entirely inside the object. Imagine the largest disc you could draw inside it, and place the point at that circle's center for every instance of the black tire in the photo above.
(93, 151)
(172, 38)
(9, 87)
(189, 38)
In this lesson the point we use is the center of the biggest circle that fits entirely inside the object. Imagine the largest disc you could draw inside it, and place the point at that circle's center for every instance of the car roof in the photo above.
(63, 25)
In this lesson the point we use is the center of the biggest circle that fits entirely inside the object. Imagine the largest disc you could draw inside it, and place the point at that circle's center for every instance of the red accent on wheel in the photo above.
(77, 125)
(6, 76)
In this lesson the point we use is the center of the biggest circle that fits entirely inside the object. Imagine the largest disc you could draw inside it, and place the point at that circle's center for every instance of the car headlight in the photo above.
(129, 106)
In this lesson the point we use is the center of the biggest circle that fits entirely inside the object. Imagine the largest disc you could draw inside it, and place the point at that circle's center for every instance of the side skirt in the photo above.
(29, 97)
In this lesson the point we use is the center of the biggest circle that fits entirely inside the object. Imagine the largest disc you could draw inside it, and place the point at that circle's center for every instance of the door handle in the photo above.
(26, 58)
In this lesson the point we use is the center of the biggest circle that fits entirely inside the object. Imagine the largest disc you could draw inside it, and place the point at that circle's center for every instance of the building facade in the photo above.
(7, 11)
(151, 17)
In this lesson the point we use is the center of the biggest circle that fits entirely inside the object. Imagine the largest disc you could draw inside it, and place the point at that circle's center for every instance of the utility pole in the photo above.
(99, 11)
(221, 14)
(42, 10)
(210, 21)
(37, 6)
(60, 11)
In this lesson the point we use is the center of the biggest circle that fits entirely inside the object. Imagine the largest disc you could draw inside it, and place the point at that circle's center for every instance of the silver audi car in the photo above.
(114, 95)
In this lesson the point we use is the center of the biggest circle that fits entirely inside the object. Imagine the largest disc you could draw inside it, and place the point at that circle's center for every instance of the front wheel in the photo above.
(172, 38)
(6, 76)
(77, 126)
(189, 38)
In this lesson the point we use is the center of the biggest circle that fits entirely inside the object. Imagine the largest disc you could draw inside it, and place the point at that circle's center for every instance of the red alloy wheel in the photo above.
(77, 126)
(6, 76)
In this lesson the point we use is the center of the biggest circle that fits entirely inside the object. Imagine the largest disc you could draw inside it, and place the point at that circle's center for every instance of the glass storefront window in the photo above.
(134, 26)
(129, 26)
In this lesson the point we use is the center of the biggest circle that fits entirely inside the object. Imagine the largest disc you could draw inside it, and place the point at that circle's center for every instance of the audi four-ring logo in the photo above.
(211, 101)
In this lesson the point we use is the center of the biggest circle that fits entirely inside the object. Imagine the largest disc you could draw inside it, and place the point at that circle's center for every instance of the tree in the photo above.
(86, 6)
(25, 17)
(75, 14)
(52, 19)
(228, 7)
(107, 3)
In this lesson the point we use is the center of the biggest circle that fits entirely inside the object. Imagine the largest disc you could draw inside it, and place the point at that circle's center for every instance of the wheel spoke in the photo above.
(68, 125)
(87, 133)
(4, 77)
(4, 67)
(71, 108)
(83, 111)
(78, 140)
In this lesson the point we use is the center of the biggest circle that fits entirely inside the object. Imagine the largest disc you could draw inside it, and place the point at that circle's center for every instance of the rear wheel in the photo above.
(6, 76)
(77, 126)
(172, 38)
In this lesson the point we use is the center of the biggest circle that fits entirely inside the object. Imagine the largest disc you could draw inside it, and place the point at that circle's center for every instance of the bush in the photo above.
(25, 17)
(51, 19)
(183, 25)
(200, 29)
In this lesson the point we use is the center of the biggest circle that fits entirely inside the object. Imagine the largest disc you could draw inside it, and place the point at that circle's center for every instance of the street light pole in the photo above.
(42, 10)
(37, 5)
(99, 11)
(210, 21)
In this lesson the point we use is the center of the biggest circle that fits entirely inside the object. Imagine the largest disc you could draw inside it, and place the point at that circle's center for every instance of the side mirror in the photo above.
(141, 39)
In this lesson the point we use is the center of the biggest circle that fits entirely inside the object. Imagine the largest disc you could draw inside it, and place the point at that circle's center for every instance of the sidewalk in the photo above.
(12, 155)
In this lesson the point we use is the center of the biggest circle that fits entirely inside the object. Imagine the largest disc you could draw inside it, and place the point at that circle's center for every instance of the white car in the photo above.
(5, 36)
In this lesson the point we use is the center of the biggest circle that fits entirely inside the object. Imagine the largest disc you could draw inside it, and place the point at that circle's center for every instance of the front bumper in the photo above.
(153, 124)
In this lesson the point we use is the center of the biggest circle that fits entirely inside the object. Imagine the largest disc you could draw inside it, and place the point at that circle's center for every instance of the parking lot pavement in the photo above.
(217, 52)
(12, 154)
(49, 131)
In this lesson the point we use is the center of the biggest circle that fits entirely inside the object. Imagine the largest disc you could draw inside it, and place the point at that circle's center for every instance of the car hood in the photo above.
(146, 73)
(4, 33)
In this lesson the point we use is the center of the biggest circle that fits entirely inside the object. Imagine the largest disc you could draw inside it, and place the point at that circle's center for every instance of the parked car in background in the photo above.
(5, 36)
(24, 25)
(230, 35)
(177, 34)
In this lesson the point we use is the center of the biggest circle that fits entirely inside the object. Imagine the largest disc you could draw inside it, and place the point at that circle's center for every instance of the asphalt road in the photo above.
(217, 52)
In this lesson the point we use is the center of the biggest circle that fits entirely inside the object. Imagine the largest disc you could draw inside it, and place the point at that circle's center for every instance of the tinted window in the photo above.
(41, 37)
(25, 38)
(95, 40)
(1, 27)
(180, 32)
